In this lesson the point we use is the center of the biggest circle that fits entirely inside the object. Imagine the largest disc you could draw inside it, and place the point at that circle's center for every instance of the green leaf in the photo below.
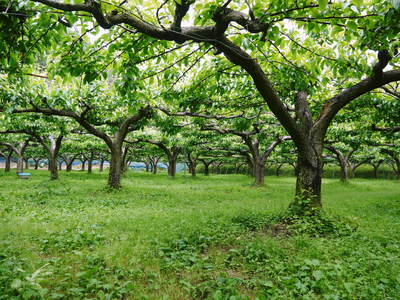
(323, 3)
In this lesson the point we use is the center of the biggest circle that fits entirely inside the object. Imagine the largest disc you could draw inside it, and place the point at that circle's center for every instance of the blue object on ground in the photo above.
(24, 175)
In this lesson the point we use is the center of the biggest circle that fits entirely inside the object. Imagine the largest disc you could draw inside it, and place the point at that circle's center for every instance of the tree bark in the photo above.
(20, 163)
(192, 163)
(172, 166)
(376, 167)
(101, 168)
(259, 172)
(7, 166)
(53, 167)
(83, 165)
(193, 169)
(114, 176)
(206, 166)
(90, 163)
(277, 171)
(344, 169)
(308, 182)
(27, 163)
(155, 167)
(37, 163)
(309, 161)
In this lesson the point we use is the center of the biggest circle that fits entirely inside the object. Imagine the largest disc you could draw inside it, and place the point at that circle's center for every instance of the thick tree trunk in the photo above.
(114, 175)
(53, 167)
(308, 183)
(375, 171)
(147, 165)
(155, 168)
(69, 167)
(206, 169)
(20, 163)
(90, 166)
(172, 166)
(7, 167)
(259, 173)
(101, 168)
(192, 164)
(27, 164)
(189, 167)
(344, 169)
(396, 167)
(36, 164)
(193, 169)
(83, 165)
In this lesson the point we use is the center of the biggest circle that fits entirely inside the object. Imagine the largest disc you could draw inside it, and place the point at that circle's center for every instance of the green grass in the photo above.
(183, 238)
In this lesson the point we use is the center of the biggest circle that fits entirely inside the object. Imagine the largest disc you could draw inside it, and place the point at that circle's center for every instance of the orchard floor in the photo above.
(184, 238)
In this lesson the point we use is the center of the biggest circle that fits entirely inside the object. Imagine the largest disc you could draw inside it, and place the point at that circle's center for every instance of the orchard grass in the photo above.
(204, 237)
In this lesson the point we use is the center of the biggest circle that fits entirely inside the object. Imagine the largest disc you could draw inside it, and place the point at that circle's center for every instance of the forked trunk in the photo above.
(114, 175)
(277, 171)
(69, 167)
